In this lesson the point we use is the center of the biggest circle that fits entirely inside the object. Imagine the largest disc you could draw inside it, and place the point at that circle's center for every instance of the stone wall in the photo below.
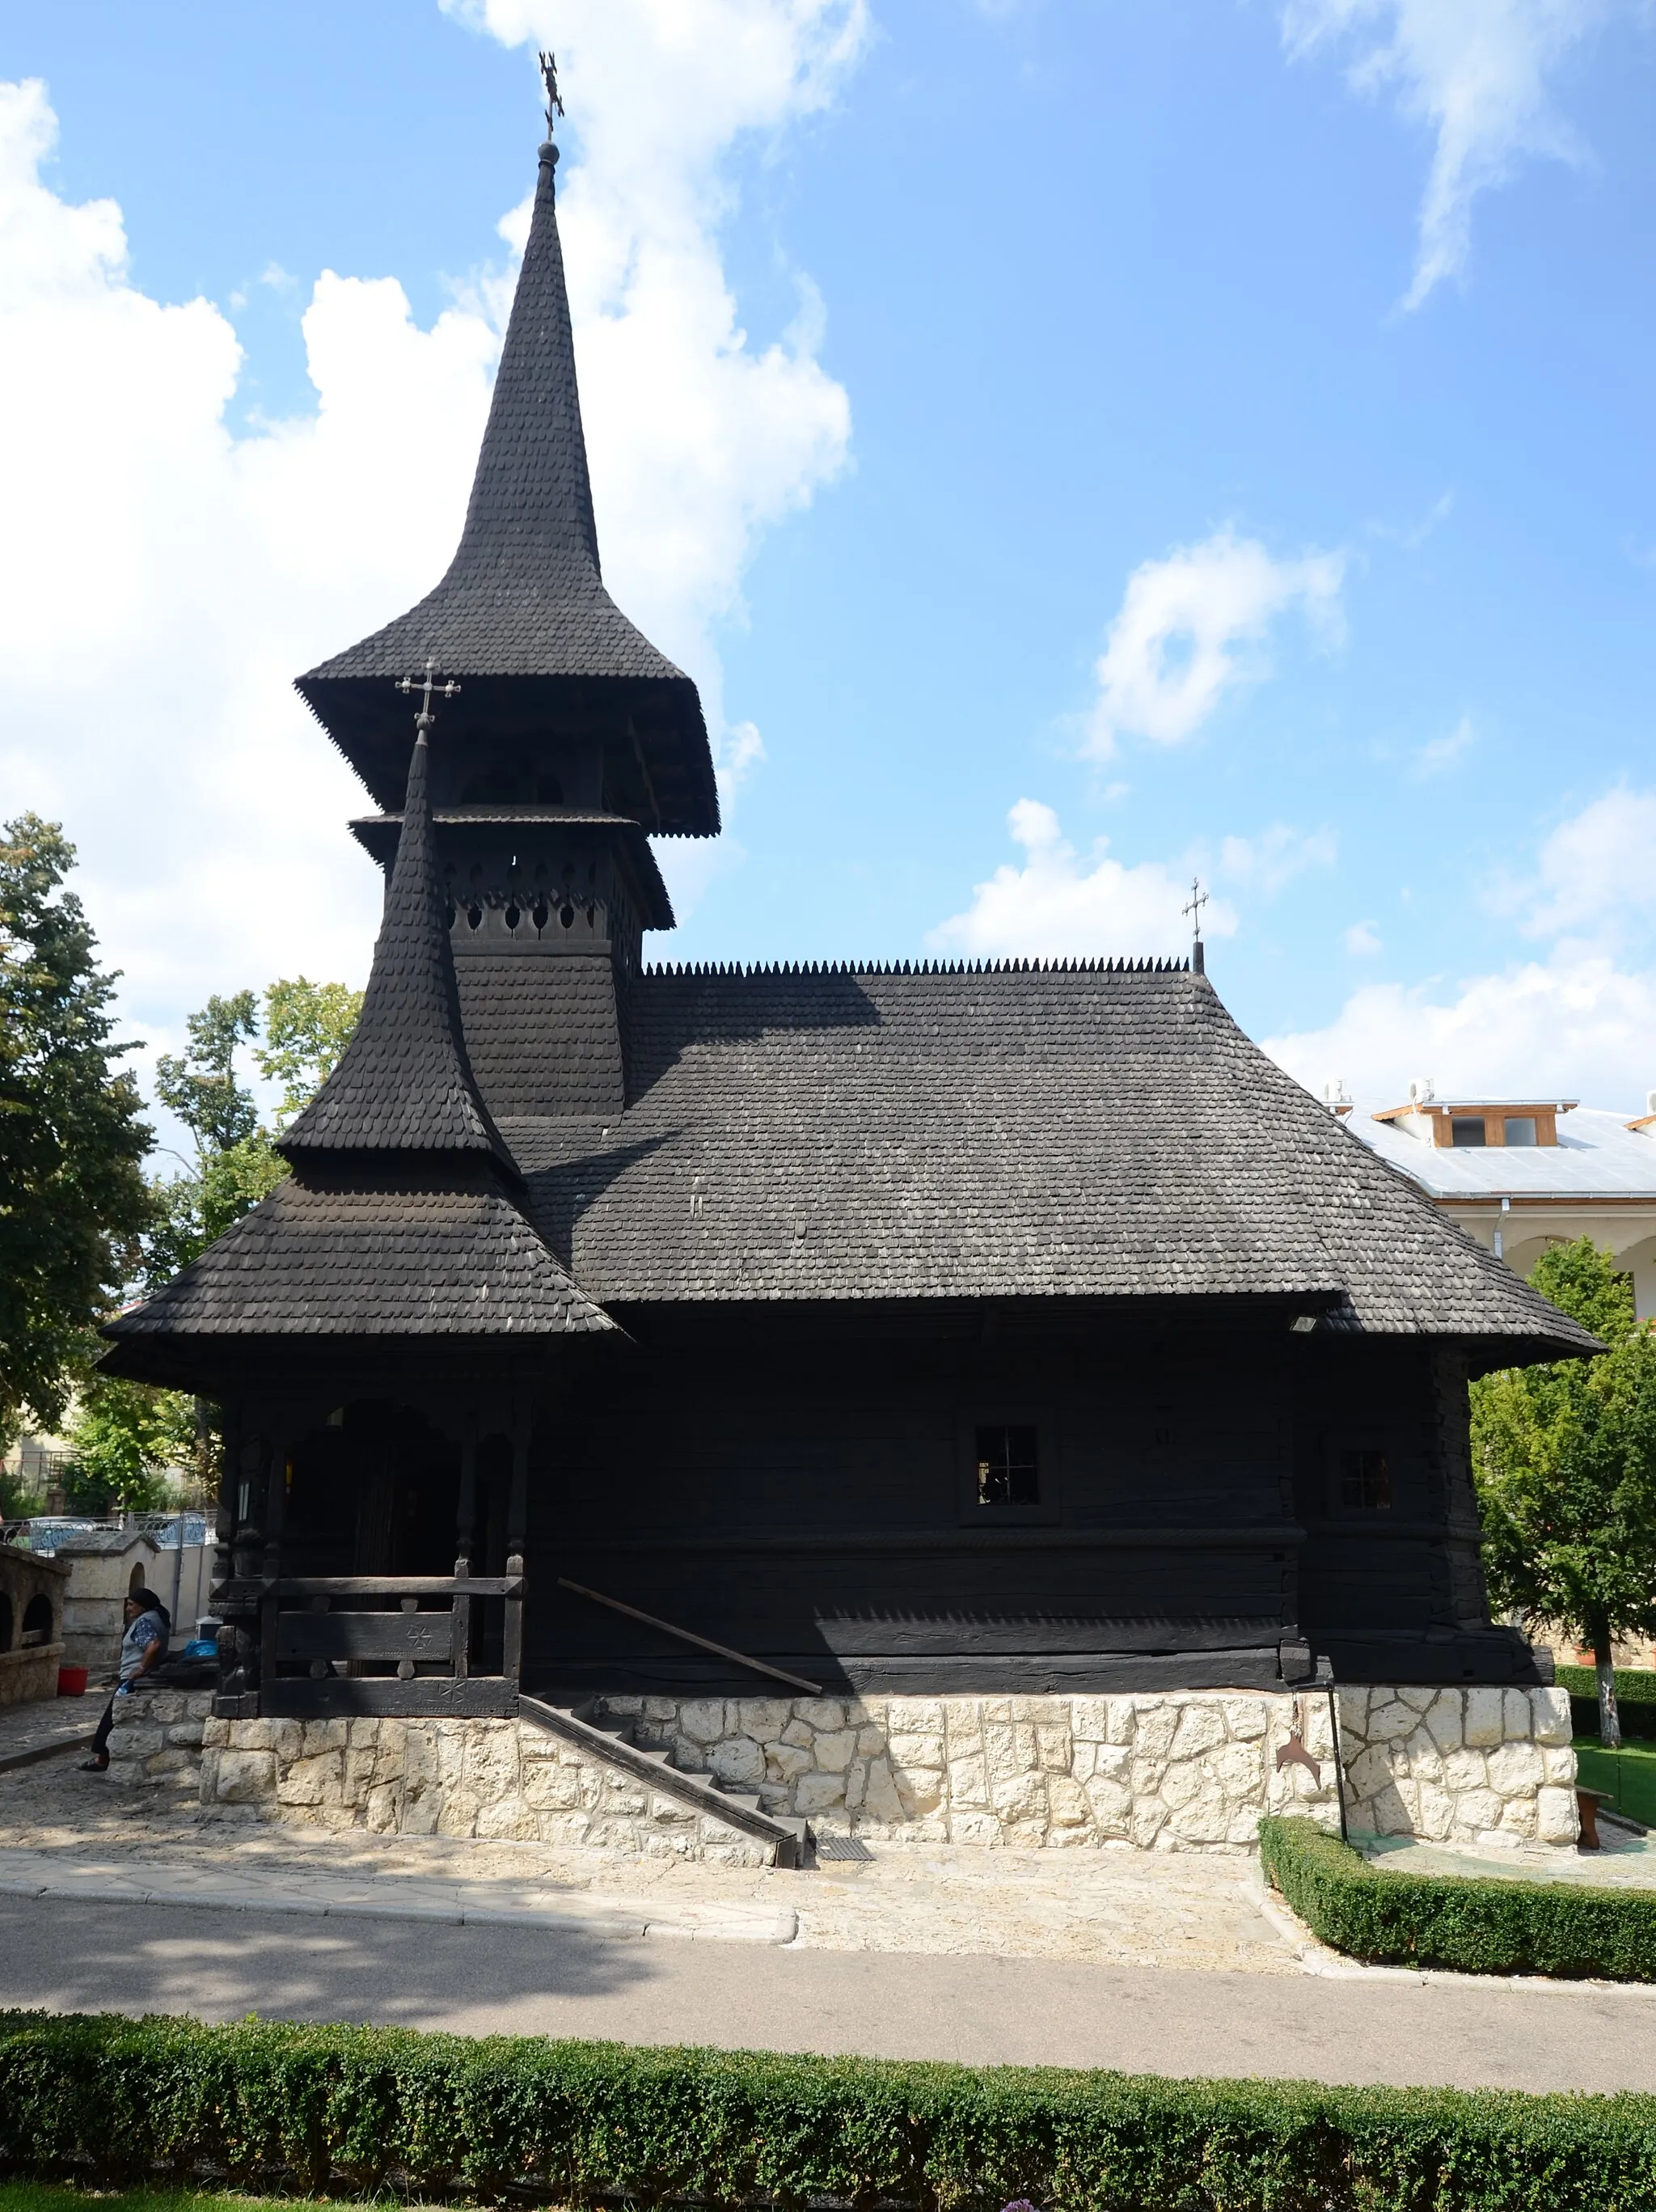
(30, 1585)
(492, 1778)
(1189, 1770)
(1466, 1766)
(1182, 1770)
(157, 1735)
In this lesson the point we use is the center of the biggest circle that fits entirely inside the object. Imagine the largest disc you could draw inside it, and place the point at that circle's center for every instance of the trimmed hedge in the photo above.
(1636, 1696)
(345, 2109)
(1475, 1925)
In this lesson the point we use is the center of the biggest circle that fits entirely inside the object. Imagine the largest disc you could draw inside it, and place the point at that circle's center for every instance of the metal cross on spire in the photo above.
(1199, 899)
(429, 689)
(549, 79)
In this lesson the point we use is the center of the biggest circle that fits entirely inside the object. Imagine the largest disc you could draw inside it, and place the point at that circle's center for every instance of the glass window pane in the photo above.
(1007, 1467)
(1520, 1129)
(1365, 1482)
(1466, 1129)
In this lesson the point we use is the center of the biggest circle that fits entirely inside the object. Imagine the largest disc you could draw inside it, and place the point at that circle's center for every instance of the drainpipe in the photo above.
(1339, 1764)
(1499, 1228)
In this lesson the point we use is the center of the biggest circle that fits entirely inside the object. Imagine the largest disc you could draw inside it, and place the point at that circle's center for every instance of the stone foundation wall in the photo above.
(157, 1735)
(1190, 1770)
(1468, 1766)
(1182, 1770)
(491, 1778)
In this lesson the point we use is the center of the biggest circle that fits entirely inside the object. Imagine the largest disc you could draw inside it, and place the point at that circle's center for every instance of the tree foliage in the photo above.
(125, 1436)
(305, 1026)
(72, 1197)
(1565, 1456)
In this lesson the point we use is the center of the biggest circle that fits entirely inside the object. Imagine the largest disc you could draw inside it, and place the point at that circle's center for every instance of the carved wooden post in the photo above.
(516, 1514)
(275, 1514)
(463, 1548)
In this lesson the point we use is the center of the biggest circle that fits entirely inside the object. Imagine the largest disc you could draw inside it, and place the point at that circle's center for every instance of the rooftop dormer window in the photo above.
(1476, 1122)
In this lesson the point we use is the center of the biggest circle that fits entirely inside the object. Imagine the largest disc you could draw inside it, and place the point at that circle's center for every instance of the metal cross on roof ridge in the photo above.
(429, 689)
(1199, 899)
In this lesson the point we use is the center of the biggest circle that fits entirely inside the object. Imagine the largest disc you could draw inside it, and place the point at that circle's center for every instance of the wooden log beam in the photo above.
(688, 1636)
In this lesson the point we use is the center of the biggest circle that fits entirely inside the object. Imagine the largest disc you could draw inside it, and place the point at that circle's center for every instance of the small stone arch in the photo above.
(37, 1621)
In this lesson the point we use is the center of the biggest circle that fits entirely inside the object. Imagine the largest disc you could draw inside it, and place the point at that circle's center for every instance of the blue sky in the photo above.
(1074, 445)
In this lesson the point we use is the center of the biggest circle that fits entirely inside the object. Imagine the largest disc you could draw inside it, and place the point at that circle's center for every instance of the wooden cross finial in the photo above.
(549, 79)
(429, 689)
(1199, 899)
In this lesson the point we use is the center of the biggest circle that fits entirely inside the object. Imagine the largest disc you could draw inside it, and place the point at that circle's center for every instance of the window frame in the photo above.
(1047, 1511)
(1360, 1440)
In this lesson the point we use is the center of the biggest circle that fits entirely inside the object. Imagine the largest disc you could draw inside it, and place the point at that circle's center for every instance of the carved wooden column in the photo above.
(517, 1517)
(464, 1547)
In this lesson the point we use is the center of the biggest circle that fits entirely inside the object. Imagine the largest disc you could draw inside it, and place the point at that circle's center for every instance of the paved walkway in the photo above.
(1165, 1962)
(982, 2011)
(47, 1727)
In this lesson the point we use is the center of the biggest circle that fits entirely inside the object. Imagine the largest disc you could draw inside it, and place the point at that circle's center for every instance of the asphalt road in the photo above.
(218, 1966)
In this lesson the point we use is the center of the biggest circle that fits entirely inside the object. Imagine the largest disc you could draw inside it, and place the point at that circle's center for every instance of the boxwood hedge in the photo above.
(358, 2109)
(1476, 1925)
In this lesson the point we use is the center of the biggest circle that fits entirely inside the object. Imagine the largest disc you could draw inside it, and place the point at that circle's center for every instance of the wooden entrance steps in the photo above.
(793, 1844)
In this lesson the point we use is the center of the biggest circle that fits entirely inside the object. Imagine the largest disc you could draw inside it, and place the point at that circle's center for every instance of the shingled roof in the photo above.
(373, 1257)
(1087, 1130)
(522, 604)
(400, 1216)
(403, 1081)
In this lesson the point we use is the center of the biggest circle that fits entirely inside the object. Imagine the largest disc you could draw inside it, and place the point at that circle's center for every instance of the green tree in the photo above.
(306, 1026)
(72, 1197)
(200, 1083)
(1565, 1457)
(125, 1436)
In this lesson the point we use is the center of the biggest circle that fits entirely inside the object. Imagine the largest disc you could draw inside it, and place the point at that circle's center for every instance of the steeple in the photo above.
(561, 691)
(404, 1083)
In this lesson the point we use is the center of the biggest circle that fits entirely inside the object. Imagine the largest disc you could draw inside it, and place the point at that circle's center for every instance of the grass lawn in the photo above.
(1628, 1775)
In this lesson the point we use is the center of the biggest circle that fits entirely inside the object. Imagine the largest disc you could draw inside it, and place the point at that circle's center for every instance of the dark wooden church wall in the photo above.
(1393, 1591)
(810, 1504)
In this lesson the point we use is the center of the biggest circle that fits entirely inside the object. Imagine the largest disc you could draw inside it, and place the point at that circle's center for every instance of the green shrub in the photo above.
(1475, 1924)
(115, 2100)
(1636, 1696)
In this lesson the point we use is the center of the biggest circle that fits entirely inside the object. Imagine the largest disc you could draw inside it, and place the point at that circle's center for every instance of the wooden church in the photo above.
(628, 1329)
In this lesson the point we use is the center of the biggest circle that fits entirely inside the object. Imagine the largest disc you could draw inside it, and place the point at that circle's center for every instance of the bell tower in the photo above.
(570, 742)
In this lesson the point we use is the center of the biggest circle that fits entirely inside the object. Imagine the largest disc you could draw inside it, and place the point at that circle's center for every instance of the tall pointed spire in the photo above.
(404, 1083)
(522, 611)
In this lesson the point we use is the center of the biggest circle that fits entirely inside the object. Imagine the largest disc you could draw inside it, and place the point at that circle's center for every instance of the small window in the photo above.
(1520, 1129)
(1365, 1482)
(1466, 1129)
(1007, 1468)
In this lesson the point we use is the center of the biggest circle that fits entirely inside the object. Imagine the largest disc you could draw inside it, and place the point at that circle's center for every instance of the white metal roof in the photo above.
(1597, 1156)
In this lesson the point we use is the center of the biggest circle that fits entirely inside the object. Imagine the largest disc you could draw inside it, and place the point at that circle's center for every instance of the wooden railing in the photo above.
(309, 1620)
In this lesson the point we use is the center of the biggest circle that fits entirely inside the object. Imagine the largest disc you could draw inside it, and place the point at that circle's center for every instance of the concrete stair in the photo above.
(793, 1844)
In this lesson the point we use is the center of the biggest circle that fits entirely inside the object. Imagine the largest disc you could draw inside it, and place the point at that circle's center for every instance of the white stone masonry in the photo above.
(1182, 1770)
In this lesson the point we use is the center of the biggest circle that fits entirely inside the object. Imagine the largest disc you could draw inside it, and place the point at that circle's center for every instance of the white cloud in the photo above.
(162, 578)
(1192, 627)
(1273, 859)
(1574, 1023)
(1061, 903)
(1363, 940)
(1476, 72)
(1439, 755)
(1595, 874)
(1580, 1020)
